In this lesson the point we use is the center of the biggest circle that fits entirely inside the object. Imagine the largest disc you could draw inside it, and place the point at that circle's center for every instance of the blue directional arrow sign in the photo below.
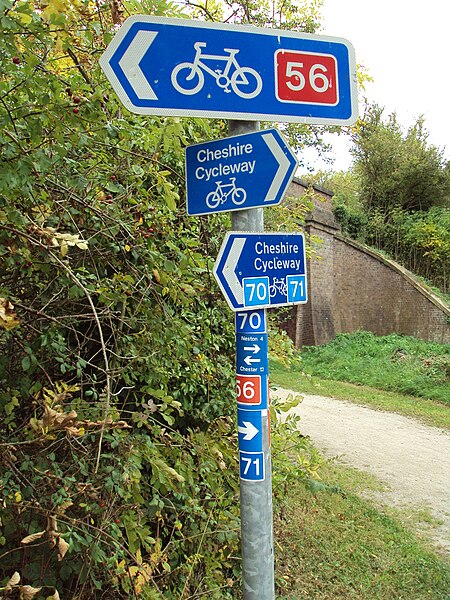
(162, 66)
(250, 430)
(238, 172)
(262, 270)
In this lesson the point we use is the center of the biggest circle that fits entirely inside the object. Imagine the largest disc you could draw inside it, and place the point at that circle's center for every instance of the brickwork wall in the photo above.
(353, 287)
(378, 295)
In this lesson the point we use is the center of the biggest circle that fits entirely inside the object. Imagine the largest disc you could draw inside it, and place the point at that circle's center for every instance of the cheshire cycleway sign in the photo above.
(238, 172)
(262, 270)
(179, 67)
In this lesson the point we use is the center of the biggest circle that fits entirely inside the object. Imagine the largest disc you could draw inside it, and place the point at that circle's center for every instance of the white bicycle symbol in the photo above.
(188, 77)
(223, 190)
(278, 285)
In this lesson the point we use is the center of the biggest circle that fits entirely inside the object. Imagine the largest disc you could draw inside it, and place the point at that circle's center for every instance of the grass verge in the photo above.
(333, 544)
(338, 543)
(394, 363)
(428, 411)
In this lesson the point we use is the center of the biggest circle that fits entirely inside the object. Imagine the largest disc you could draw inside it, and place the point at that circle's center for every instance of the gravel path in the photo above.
(412, 458)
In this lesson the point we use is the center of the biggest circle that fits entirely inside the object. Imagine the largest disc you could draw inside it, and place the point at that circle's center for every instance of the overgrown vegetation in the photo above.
(118, 471)
(396, 363)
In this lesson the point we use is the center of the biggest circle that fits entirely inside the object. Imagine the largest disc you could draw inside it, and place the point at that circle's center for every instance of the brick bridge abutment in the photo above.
(352, 287)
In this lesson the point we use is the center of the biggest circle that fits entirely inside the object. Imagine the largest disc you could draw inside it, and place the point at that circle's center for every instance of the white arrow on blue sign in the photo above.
(177, 67)
(238, 172)
(262, 270)
(250, 427)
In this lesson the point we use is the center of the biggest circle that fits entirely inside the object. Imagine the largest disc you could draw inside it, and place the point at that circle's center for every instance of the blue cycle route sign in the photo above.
(179, 67)
(250, 430)
(238, 172)
(262, 270)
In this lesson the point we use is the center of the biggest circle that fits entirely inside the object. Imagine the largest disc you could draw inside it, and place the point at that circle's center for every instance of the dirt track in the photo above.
(412, 458)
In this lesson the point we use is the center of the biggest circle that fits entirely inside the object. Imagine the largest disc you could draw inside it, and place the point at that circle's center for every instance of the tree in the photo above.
(398, 170)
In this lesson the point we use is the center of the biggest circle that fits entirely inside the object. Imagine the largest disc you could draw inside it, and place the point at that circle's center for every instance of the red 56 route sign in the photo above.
(306, 77)
(248, 389)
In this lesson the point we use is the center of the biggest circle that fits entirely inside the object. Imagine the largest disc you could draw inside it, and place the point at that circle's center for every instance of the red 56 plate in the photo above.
(306, 77)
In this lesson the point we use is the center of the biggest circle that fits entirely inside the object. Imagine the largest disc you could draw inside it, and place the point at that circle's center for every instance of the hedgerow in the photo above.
(118, 464)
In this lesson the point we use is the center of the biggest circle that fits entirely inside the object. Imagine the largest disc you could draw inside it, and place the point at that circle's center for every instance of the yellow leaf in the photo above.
(32, 538)
(24, 18)
(54, 8)
(17, 497)
(127, 247)
(28, 592)
(8, 318)
(13, 581)
(133, 571)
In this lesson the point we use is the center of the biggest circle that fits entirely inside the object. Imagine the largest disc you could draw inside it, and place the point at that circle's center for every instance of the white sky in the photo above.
(405, 47)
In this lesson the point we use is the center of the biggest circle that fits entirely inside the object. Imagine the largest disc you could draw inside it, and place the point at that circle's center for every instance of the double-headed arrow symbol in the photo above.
(248, 430)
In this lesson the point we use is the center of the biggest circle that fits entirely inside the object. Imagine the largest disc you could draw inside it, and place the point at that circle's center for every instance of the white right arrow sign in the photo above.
(248, 430)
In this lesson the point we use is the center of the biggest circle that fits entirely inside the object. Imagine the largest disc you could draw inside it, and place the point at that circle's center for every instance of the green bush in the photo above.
(118, 470)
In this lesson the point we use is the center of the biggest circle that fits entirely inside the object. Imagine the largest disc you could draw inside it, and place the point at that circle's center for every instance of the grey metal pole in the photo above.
(255, 496)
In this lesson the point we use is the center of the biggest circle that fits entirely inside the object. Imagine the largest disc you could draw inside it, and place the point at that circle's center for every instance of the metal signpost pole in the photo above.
(256, 495)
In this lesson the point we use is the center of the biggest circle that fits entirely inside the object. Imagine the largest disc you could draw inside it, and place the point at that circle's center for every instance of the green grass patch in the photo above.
(394, 363)
(394, 373)
(332, 538)
(428, 411)
(334, 544)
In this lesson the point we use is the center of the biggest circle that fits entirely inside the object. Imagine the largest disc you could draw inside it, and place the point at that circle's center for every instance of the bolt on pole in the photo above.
(256, 496)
